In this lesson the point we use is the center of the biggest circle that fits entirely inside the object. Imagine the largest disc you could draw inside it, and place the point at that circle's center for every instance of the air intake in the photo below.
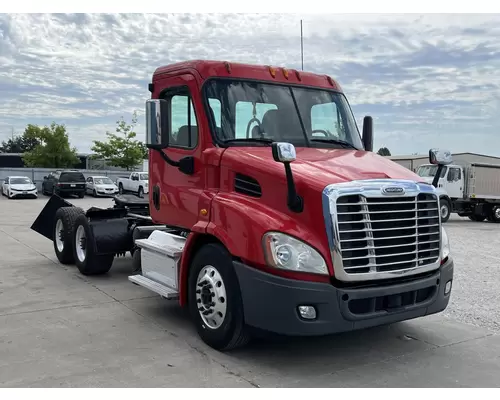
(248, 186)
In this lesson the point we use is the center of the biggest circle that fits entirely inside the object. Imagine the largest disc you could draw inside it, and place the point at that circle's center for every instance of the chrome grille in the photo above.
(383, 234)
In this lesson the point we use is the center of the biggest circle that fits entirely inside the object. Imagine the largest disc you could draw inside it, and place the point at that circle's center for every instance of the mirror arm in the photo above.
(185, 165)
(435, 181)
(294, 201)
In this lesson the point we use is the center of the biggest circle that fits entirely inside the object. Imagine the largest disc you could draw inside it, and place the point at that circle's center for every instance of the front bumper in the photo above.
(106, 193)
(271, 303)
(23, 194)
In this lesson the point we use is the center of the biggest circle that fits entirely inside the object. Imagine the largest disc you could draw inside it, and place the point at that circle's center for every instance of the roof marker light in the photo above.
(330, 81)
(298, 75)
(272, 71)
(228, 67)
(285, 73)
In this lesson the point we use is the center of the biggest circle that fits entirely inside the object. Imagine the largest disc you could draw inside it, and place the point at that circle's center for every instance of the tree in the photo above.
(383, 151)
(53, 150)
(19, 144)
(121, 149)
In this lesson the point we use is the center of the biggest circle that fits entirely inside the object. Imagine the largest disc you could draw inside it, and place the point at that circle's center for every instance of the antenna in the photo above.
(301, 45)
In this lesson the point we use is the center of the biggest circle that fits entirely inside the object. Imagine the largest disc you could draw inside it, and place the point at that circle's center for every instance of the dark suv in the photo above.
(64, 182)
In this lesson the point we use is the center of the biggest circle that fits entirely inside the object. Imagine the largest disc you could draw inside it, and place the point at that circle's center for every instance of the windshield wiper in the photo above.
(251, 140)
(335, 141)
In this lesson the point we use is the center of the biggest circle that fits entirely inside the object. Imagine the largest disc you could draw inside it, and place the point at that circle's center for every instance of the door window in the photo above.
(183, 123)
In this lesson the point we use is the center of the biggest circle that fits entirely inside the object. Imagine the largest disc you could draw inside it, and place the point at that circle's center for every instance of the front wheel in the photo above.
(120, 188)
(214, 299)
(141, 192)
(445, 210)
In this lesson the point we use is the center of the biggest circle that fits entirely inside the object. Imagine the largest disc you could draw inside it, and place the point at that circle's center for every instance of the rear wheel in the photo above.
(477, 218)
(494, 215)
(87, 261)
(62, 237)
(120, 188)
(81, 195)
(214, 299)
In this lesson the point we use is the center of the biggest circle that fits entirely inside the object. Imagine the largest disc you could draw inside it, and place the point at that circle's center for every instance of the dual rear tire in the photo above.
(73, 241)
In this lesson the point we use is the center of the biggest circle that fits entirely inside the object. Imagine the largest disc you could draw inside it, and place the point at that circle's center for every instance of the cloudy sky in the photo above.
(428, 80)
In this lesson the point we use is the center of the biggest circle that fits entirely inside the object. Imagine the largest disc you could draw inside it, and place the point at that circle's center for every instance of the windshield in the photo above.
(429, 171)
(254, 110)
(20, 181)
(143, 177)
(103, 181)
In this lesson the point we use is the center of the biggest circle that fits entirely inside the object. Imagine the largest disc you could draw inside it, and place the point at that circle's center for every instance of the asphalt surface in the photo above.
(59, 328)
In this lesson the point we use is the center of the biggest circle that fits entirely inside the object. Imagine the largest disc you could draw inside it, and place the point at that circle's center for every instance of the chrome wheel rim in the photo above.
(59, 232)
(496, 213)
(81, 243)
(211, 297)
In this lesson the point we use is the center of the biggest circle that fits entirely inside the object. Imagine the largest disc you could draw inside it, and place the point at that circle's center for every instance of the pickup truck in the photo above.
(137, 182)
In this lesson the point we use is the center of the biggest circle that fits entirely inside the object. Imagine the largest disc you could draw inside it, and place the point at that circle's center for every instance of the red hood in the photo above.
(324, 166)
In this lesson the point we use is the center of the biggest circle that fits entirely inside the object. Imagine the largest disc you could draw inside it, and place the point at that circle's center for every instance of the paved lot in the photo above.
(58, 328)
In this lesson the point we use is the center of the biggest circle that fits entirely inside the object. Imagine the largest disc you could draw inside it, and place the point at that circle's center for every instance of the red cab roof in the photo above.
(208, 68)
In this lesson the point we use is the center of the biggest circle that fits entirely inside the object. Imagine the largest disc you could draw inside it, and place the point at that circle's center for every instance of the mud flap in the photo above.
(44, 223)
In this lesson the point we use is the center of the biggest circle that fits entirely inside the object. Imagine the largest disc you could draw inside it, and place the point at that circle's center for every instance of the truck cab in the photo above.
(268, 210)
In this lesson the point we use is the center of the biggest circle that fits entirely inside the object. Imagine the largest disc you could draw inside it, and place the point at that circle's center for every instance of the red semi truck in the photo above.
(267, 210)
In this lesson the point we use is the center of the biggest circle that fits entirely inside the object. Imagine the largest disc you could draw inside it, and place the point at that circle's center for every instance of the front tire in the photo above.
(120, 188)
(62, 237)
(445, 210)
(141, 192)
(214, 299)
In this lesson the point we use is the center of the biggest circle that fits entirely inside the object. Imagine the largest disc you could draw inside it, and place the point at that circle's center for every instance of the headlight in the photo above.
(285, 252)
(445, 244)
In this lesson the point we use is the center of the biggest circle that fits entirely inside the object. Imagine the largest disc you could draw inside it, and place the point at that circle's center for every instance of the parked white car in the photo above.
(19, 186)
(101, 186)
(137, 182)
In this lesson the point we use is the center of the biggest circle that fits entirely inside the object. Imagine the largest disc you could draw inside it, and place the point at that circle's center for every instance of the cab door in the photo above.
(454, 182)
(176, 197)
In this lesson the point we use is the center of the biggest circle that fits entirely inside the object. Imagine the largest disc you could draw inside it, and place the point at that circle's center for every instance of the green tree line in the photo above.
(49, 146)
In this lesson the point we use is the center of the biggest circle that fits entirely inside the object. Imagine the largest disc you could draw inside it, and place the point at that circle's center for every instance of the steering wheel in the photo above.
(254, 119)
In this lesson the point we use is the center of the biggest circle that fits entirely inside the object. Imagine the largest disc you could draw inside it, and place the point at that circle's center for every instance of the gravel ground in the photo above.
(476, 293)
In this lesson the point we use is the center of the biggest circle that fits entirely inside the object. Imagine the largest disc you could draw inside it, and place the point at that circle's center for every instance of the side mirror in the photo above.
(45, 177)
(284, 152)
(440, 157)
(368, 133)
(157, 137)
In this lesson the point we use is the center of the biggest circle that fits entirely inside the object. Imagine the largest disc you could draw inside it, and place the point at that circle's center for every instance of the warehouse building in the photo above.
(412, 162)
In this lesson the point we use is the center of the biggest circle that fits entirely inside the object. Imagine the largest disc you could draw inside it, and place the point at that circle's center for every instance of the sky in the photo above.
(428, 80)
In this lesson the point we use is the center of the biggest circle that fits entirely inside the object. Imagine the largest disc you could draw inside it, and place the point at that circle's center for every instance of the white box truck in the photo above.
(470, 189)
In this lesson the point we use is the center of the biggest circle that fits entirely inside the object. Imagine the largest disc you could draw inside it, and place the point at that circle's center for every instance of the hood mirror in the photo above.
(285, 153)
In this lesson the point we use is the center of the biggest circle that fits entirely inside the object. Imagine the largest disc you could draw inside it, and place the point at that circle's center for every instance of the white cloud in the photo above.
(428, 80)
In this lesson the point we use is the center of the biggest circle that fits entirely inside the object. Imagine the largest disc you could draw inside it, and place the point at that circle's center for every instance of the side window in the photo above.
(183, 123)
(244, 115)
(454, 175)
(326, 118)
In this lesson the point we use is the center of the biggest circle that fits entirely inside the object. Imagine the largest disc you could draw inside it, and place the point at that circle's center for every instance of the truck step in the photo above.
(156, 287)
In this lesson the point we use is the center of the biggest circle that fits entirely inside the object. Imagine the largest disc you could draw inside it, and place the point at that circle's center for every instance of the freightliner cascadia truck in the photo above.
(267, 210)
